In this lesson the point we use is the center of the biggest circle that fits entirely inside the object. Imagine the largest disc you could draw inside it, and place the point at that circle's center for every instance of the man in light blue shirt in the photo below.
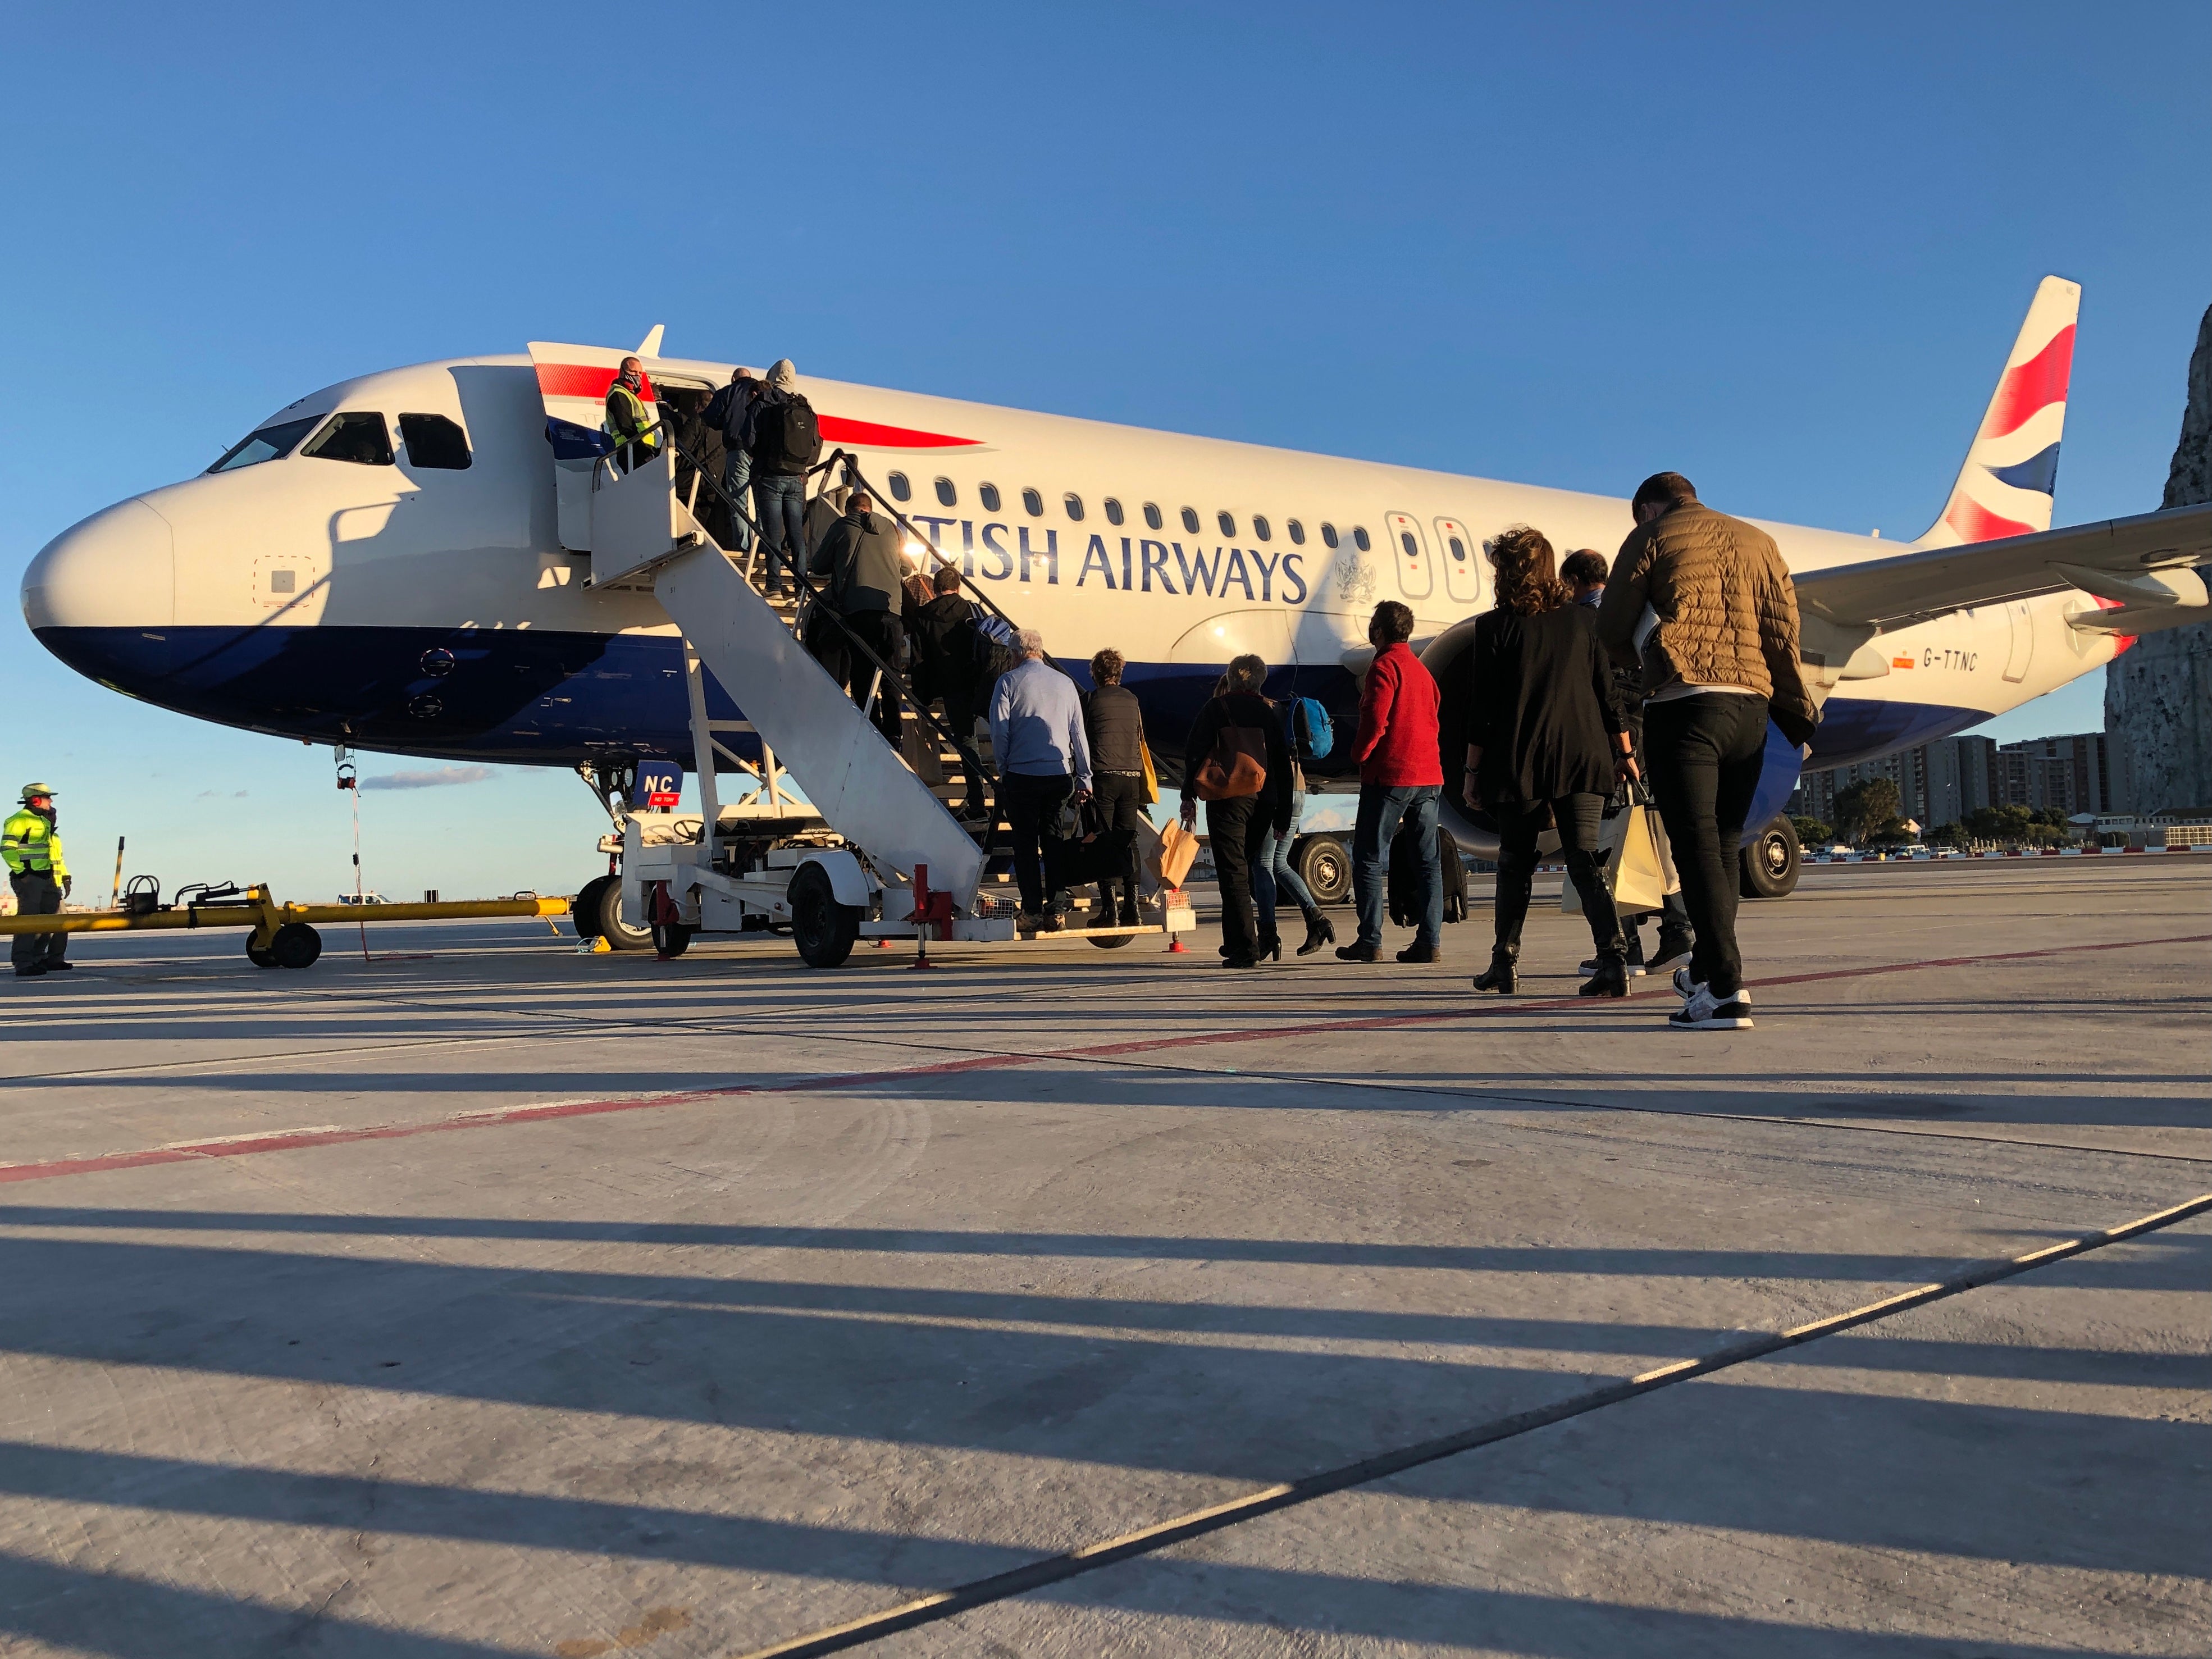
(1044, 761)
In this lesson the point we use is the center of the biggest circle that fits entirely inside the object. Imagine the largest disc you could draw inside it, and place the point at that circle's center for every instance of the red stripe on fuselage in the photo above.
(582, 380)
(2036, 384)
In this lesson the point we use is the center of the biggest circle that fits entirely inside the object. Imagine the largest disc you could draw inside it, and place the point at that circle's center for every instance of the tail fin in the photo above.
(2005, 487)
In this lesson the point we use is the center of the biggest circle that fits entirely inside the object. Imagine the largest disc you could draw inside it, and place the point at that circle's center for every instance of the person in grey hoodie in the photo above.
(779, 479)
(868, 583)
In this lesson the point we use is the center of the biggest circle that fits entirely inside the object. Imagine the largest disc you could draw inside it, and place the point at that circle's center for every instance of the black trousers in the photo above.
(1706, 752)
(962, 705)
(883, 633)
(1580, 819)
(1027, 801)
(37, 894)
(1236, 830)
(1121, 801)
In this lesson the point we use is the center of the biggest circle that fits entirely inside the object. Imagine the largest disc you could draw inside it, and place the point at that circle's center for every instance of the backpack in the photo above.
(791, 439)
(1405, 879)
(1312, 733)
(995, 653)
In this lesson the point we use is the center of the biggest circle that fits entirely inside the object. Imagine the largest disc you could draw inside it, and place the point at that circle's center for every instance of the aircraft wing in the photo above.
(2141, 564)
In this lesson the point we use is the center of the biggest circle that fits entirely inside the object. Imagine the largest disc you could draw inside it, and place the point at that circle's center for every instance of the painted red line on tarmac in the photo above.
(297, 1140)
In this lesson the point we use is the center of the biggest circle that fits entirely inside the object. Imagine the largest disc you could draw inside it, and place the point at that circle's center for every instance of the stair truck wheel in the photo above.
(584, 910)
(670, 938)
(295, 945)
(608, 922)
(1112, 941)
(1325, 865)
(1771, 863)
(823, 929)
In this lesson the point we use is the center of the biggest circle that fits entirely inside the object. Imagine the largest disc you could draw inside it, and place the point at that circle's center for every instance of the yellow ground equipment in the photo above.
(283, 935)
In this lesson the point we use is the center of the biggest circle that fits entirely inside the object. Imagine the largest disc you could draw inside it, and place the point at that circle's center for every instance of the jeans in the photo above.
(1581, 820)
(1233, 831)
(1383, 808)
(1119, 797)
(737, 476)
(780, 501)
(1705, 756)
(1273, 874)
(37, 894)
(1028, 801)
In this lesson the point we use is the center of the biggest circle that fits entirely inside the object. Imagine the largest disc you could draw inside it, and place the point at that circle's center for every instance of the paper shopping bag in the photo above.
(1638, 870)
(1178, 851)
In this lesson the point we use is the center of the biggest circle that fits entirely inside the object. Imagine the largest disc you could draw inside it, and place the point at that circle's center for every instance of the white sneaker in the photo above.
(1705, 1012)
(1685, 986)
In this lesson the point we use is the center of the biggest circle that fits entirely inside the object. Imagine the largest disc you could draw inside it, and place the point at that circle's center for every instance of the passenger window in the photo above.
(1151, 515)
(1259, 527)
(1227, 521)
(1033, 503)
(1360, 537)
(1406, 540)
(433, 441)
(1298, 533)
(946, 496)
(1073, 503)
(361, 438)
(900, 489)
(1113, 511)
(989, 493)
(1328, 535)
(269, 443)
(1190, 519)
(1459, 550)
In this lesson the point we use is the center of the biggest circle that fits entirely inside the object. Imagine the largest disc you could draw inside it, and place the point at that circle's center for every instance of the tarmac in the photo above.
(487, 1298)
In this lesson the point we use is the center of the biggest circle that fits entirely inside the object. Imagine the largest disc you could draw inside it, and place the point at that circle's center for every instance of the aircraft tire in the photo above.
(296, 945)
(1324, 863)
(1770, 862)
(824, 929)
(607, 921)
(584, 910)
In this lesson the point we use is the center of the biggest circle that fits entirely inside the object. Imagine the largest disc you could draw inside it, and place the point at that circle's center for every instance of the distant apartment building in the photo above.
(1940, 783)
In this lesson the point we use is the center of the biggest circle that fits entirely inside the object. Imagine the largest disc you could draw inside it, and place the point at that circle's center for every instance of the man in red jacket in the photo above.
(1401, 774)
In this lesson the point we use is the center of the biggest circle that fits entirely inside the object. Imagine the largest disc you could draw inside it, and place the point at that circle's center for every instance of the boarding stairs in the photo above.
(895, 859)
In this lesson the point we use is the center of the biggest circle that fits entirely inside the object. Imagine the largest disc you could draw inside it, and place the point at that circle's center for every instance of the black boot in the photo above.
(1611, 978)
(1502, 976)
(1318, 933)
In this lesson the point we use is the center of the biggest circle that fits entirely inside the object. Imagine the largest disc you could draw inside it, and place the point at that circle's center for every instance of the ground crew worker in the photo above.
(628, 419)
(33, 852)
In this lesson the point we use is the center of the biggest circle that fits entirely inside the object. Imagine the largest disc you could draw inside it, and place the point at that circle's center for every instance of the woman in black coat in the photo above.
(1544, 739)
(1247, 791)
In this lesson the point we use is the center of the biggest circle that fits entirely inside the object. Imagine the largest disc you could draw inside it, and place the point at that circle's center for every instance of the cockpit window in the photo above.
(433, 441)
(265, 444)
(359, 437)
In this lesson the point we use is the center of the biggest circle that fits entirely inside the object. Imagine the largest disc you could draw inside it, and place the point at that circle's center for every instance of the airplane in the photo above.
(386, 564)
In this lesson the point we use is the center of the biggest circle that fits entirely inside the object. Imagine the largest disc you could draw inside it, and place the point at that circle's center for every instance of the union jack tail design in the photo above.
(2005, 487)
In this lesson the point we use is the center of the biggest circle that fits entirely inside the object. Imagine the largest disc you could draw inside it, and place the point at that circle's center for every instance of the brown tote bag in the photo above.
(1236, 768)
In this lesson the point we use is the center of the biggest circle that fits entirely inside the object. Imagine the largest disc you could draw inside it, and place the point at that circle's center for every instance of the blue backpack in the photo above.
(1310, 729)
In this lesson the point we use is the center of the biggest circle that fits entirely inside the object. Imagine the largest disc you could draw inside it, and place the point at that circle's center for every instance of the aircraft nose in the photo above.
(116, 569)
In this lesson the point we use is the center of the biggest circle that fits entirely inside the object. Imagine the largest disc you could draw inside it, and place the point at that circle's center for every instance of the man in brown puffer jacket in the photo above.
(1704, 604)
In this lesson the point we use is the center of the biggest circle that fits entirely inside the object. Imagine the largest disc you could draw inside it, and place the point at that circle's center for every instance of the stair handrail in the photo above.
(891, 680)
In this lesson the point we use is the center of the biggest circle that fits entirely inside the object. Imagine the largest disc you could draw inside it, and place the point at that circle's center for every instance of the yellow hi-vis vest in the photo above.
(29, 846)
(633, 418)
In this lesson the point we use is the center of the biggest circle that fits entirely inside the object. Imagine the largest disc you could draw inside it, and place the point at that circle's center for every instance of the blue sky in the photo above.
(1783, 249)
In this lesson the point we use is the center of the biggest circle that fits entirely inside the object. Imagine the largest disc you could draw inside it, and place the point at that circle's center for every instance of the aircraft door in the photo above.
(1417, 578)
(2021, 650)
(1462, 560)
